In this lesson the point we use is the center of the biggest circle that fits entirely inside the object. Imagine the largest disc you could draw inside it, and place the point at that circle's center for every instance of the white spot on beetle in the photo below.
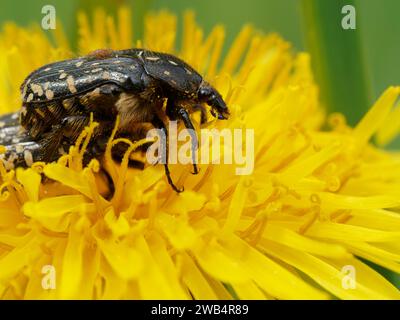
(2, 124)
(28, 158)
(61, 71)
(106, 75)
(71, 84)
(95, 64)
(30, 97)
(117, 61)
(46, 85)
(78, 64)
(49, 94)
(172, 62)
(152, 58)
(14, 116)
(167, 72)
(97, 70)
(62, 75)
(188, 71)
(37, 89)
(47, 69)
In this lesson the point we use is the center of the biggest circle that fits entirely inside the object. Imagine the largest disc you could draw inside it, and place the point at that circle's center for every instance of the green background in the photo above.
(352, 67)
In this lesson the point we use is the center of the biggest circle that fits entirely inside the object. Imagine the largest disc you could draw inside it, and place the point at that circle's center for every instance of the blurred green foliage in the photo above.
(338, 57)
(377, 20)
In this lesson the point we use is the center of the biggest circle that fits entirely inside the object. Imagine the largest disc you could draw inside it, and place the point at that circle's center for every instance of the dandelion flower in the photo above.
(317, 201)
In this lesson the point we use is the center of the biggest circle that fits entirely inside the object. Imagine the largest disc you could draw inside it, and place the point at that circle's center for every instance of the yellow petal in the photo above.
(68, 177)
(270, 276)
(30, 179)
(195, 280)
(162, 257)
(376, 115)
(329, 274)
(71, 272)
(180, 234)
(125, 260)
(299, 242)
(152, 277)
(328, 230)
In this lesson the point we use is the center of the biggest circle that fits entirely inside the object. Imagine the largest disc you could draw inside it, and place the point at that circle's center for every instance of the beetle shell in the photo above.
(64, 79)
(21, 150)
(59, 99)
(172, 70)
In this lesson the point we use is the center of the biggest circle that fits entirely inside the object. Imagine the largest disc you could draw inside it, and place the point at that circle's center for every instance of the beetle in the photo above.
(58, 99)
(20, 149)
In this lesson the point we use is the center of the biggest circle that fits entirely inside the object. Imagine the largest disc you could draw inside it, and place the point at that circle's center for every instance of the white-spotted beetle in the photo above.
(59, 98)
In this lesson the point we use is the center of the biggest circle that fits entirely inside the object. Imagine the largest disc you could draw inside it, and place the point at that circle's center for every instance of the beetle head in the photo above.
(207, 94)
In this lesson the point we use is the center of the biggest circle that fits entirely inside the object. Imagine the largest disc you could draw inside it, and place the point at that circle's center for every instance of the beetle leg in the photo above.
(67, 131)
(51, 142)
(72, 126)
(157, 122)
(184, 115)
(173, 113)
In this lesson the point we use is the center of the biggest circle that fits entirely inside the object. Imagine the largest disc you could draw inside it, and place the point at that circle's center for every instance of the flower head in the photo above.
(316, 202)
